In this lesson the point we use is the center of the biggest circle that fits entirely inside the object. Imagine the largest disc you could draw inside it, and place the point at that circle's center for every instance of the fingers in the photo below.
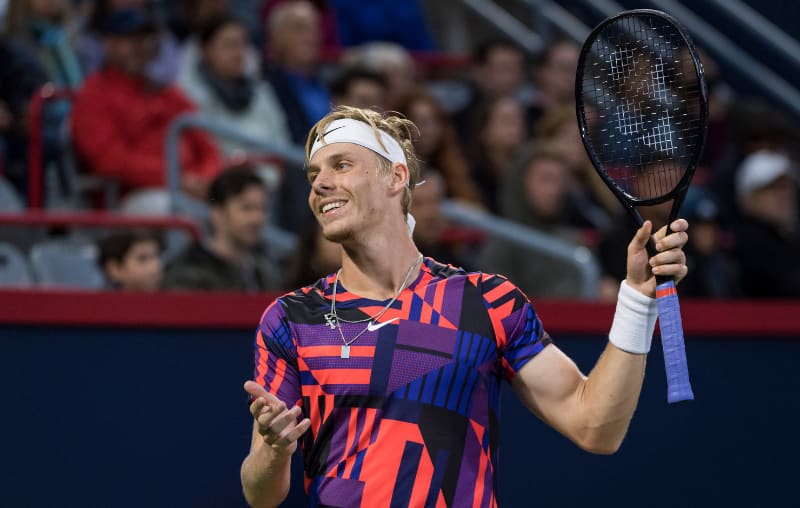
(256, 390)
(677, 226)
(642, 236)
(671, 260)
(276, 423)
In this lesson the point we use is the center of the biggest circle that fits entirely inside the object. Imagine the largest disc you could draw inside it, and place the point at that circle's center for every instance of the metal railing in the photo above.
(559, 17)
(508, 24)
(289, 154)
(762, 28)
(576, 256)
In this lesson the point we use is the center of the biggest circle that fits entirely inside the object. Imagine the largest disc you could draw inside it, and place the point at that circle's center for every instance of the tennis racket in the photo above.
(641, 103)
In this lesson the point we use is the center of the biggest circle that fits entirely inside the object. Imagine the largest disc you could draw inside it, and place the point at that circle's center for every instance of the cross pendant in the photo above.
(329, 321)
(345, 351)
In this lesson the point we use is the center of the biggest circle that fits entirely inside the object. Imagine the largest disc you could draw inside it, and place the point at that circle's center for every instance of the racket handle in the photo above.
(669, 321)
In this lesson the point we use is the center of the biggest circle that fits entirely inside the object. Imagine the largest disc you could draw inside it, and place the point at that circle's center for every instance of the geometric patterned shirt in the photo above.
(410, 418)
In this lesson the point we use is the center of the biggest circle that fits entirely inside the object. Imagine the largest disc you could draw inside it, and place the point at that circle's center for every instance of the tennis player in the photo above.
(388, 371)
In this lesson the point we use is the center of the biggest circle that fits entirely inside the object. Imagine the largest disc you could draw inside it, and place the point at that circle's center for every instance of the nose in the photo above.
(323, 182)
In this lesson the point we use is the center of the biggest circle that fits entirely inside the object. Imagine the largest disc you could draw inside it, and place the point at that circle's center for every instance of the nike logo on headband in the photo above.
(329, 131)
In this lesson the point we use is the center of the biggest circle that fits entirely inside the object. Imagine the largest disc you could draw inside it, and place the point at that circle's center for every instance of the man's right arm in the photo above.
(266, 470)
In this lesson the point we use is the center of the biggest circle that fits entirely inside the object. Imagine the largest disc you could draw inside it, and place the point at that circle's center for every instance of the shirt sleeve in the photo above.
(519, 332)
(276, 356)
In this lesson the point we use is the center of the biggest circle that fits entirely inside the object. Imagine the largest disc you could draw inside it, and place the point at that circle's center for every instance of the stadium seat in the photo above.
(64, 263)
(10, 202)
(14, 269)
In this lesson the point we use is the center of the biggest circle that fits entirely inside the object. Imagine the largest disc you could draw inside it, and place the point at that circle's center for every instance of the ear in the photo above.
(400, 175)
(216, 217)
(113, 270)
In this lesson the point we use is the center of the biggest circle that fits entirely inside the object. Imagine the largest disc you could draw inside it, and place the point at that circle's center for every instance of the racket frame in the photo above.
(679, 191)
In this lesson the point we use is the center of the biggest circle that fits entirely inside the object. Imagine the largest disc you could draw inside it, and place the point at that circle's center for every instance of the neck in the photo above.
(375, 268)
(499, 159)
(228, 250)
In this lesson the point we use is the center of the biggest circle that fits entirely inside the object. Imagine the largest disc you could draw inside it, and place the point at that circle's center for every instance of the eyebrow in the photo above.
(331, 159)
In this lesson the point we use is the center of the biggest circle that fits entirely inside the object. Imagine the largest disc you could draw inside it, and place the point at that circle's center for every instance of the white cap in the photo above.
(761, 169)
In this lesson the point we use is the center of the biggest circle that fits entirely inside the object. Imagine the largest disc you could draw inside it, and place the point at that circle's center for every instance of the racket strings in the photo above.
(642, 105)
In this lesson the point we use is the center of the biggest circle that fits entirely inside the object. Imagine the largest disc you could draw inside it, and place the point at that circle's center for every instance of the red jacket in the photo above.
(119, 126)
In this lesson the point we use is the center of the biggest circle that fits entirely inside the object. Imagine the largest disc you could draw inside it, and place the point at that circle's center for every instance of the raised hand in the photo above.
(670, 260)
(276, 423)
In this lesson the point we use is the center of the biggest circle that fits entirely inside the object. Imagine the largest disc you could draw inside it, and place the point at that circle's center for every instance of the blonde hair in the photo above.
(394, 124)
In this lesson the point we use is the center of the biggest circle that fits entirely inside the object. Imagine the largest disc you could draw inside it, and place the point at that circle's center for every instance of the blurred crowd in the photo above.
(497, 133)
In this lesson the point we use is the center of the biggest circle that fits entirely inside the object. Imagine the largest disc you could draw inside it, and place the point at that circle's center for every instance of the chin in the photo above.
(337, 235)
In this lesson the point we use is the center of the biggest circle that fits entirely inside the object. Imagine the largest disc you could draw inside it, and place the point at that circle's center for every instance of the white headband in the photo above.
(346, 130)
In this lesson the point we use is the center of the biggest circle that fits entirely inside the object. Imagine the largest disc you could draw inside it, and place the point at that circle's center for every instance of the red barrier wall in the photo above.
(219, 310)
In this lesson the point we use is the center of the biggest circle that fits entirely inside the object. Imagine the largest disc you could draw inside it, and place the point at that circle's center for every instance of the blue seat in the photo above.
(64, 263)
(14, 269)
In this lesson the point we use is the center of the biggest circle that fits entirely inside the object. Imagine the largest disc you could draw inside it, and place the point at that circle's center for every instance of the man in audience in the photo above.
(767, 237)
(234, 257)
(431, 224)
(499, 70)
(360, 87)
(294, 47)
(130, 260)
(294, 44)
(120, 117)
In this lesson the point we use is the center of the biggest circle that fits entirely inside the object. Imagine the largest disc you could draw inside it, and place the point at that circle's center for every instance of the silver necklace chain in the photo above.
(370, 319)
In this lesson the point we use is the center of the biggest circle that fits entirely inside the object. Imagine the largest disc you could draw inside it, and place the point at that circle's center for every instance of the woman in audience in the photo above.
(498, 132)
(559, 129)
(437, 145)
(221, 87)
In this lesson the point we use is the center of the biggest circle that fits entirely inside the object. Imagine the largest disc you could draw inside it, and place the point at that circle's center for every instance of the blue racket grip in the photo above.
(669, 321)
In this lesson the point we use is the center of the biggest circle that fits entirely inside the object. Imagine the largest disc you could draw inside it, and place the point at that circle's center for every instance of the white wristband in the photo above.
(634, 321)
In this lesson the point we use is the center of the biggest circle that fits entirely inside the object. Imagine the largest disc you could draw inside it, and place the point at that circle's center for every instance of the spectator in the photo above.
(559, 129)
(328, 32)
(234, 257)
(437, 146)
(293, 70)
(130, 260)
(20, 76)
(714, 274)
(391, 60)
(498, 71)
(535, 194)
(294, 47)
(431, 224)
(754, 126)
(360, 87)
(555, 77)
(767, 237)
(121, 116)
(164, 66)
(223, 90)
(193, 21)
(497, 133)
(47, 30)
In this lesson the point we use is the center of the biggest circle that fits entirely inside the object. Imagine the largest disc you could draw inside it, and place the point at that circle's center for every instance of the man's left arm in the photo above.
(594, 411)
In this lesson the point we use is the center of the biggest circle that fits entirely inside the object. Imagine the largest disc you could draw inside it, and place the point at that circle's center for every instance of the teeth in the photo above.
(331, 206)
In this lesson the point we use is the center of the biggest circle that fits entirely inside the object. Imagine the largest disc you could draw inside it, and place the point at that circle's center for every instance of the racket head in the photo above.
(642, 105)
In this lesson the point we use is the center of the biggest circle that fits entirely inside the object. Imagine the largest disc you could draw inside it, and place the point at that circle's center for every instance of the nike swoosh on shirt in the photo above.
(375, 326)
